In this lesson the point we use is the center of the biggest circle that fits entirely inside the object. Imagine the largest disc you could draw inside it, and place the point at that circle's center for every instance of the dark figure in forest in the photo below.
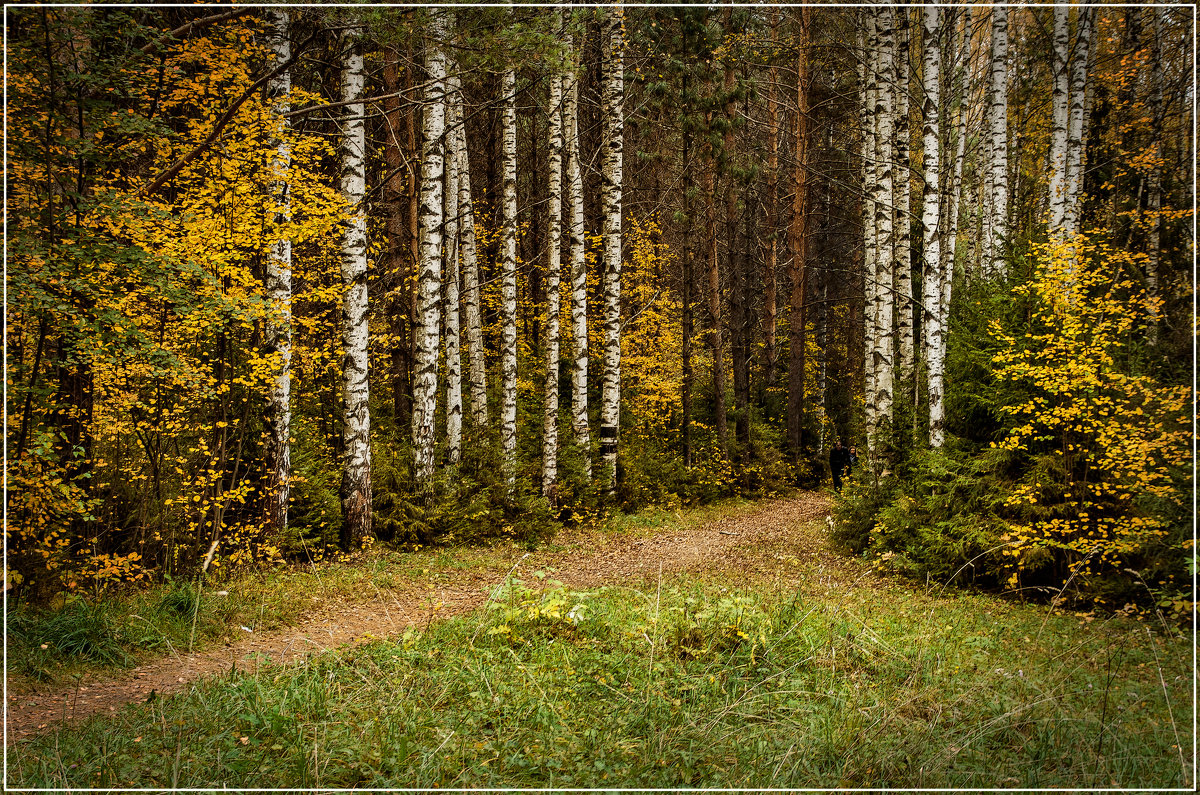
(839, 463)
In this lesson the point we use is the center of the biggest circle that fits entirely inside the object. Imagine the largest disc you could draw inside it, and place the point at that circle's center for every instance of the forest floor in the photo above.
(723, 646)
(750, 542)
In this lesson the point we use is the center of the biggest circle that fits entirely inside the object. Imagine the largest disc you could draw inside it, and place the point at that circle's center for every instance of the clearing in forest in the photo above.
(738, 652)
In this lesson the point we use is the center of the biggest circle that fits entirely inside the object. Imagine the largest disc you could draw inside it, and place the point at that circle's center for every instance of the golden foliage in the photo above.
(1103, 435)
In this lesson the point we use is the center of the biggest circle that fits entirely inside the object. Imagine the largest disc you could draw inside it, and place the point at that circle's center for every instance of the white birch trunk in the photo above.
(933, 339)
(429, 271)
(997, 227)
(277, 329)
(356, 432)
(905, 332)
(579, 297)
(884, 204)
(454, 401)
(553, 285)
(1076, 116)
(1058, 139)
(868, 80)
(612, 112)
(950, 249)
(1154, 199)
(508, 276)
(477, 366)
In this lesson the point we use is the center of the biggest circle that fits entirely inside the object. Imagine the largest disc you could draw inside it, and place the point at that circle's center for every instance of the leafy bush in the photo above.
(1074, 483)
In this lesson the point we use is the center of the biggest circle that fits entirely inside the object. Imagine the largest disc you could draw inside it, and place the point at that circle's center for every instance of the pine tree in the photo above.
(798, 242)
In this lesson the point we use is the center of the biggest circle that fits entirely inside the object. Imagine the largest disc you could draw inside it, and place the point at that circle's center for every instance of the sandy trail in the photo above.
(611, 560)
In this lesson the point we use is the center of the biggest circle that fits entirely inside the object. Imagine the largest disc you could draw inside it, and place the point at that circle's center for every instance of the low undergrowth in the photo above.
(682, 682)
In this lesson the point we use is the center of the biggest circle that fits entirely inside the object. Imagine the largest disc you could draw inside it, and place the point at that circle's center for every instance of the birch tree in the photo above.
(553, 283)
(612, 113)
(905, 331)
(1057, 198)
(868, 82)
(470, 264)
(277, 328)
(579, 297)
(953, 199)
(933, 339)
(356, 430)
(1154, 197)
(884, 202)
(452, 246)
(997, 227)
(508, 274)
(1076, 117)
(429, 274)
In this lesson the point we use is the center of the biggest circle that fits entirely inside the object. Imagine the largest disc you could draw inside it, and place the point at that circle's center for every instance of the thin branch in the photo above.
(194, 25)
(228, 115)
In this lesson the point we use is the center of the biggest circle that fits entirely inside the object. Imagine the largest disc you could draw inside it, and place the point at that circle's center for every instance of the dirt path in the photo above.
(600, 559)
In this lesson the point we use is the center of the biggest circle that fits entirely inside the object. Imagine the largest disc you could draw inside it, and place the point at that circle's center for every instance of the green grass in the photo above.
(687, 682)
(81, 635)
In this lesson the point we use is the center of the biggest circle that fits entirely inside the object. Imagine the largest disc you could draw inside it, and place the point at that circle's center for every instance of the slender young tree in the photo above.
(953, 199)
(397, 263)
(687, 279)
(1076, 116)
(1061, 113)
(477, 369)
(277, 329)
(905, 328)
(770, 267)
(553, 283)
(932, 338)
(1154, 192)
(708, 186)
(579, 297)
(612, 113)
(429, 275)
(508, 274)
(868, 85)
(997, 227)
(452, 247)
(356, 433)
(798, 242)
(884, 224)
